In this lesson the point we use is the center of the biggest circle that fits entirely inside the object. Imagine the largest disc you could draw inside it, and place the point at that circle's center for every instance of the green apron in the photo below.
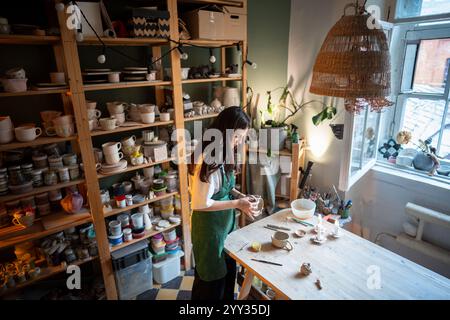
(209, 231)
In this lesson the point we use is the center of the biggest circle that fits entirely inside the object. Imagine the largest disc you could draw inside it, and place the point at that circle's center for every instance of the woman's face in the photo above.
(239, 136)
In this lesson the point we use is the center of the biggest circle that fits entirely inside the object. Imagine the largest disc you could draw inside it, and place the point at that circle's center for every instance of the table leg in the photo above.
(246, 285)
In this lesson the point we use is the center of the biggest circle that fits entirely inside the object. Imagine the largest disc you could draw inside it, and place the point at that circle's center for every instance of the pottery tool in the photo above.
(268, 262)
(270, 228)
(277, 227)
(306, 224)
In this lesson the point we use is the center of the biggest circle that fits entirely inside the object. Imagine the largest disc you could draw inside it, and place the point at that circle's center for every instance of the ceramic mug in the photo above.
(49, 115)
(120, 117)
(280, 240)
(146, 107)
(164, 116)
(128, 141)
(6, 136)
(91, 104)
(115, 107)
(65, 130)
(148, 117)
(114, 77)
(6, 123)
(108, 123)
(111, 147)
(113, 158)
(93, 114)
(93, 124)
(62, 120)
(27, 133)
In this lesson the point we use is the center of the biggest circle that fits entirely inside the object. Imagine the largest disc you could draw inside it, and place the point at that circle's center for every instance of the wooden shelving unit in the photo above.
(131, 128)
(147, 235)
(65, 48)
(196, 118)
(46, 273)
(124, 84)
(28, 39)
(11, 197)
(116, 211)
(212, 80)
(38, 142)
(135, 168)
(32, 93)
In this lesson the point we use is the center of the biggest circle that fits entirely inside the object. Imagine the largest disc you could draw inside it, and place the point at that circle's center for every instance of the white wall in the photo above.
(378, 199)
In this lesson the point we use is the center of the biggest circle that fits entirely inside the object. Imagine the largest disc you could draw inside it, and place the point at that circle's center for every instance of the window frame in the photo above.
(414, 36)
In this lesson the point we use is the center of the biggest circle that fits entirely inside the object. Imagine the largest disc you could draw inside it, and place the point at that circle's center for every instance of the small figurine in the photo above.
(318, 284)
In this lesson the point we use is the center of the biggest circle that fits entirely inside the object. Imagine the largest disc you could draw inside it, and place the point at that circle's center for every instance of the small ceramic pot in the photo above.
(108, 123)
(164, 116)
(148, 117)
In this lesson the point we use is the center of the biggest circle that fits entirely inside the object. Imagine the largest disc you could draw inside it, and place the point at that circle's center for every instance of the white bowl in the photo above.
(303, 208)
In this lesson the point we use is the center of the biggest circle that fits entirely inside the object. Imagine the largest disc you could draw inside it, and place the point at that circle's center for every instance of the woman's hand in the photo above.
(247, 207)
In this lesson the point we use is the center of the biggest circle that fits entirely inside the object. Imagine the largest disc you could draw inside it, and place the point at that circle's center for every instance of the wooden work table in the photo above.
(346, 266)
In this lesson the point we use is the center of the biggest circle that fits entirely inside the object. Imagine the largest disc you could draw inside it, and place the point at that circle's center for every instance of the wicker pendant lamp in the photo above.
(354, 63)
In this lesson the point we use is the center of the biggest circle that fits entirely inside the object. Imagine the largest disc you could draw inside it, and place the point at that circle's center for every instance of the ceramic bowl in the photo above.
(303, 208)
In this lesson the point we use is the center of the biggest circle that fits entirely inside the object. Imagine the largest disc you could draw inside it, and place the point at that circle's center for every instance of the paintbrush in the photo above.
(268, 262)
(277, 227)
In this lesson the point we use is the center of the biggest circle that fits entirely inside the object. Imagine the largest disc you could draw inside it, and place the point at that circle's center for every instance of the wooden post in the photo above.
(70, 52)
(179, 125)
(294, 171)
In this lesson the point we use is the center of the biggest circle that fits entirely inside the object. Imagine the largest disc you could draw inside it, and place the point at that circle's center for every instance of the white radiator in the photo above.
(414, 238)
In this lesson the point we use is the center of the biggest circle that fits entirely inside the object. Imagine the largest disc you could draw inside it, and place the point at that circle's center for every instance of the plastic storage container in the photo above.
(132, 270)
(168, 269)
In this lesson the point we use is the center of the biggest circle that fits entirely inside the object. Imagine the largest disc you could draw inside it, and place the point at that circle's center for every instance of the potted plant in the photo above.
(277, 126)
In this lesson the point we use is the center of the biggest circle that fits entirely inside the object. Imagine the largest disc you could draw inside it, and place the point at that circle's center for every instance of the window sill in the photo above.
(392, 174)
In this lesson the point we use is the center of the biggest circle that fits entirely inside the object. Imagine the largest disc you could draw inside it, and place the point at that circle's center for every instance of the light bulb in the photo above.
(79, 36)
(184, 56)
(59, 7)
(254, 65)
(101, 58)
(212, 59)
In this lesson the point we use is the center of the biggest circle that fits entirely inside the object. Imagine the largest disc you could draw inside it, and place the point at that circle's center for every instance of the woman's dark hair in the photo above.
(230, 118)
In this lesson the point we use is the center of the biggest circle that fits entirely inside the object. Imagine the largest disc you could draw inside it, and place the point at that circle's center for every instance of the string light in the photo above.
(102, 58)
(212, 58)
(252, 64)
(183, 55)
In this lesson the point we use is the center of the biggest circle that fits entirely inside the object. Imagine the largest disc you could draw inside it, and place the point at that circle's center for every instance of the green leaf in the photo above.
(317, 118)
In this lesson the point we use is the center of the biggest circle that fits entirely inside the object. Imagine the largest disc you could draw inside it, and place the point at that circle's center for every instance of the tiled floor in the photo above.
(177, 289)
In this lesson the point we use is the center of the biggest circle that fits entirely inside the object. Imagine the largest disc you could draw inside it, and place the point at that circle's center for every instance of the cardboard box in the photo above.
(203, 24)
(235, 23)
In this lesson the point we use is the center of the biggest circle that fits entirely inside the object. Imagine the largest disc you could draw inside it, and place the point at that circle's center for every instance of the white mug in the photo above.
(113, 158)
(93, 124)
(67, 119)
(280, 240)
(6, 136)
(164, 116)
(120, 117)
(148, 117)
(65, 131)
(108, 124)
(6, 123)
(91, 104)
(115, 107)
(111, 147)
(94, 114)
(27, 133)
(129, 141)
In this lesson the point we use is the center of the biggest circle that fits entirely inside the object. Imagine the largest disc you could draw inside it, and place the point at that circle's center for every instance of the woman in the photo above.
(211, 181)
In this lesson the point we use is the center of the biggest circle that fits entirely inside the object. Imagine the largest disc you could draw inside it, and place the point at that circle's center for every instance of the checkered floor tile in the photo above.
(177, 289)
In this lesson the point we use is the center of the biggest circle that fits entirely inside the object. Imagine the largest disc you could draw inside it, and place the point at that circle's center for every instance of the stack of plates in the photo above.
(135, 73)
(113, 168)
(96, 75)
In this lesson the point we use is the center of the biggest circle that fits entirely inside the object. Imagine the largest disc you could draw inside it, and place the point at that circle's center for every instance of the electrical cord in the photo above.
(384, 233)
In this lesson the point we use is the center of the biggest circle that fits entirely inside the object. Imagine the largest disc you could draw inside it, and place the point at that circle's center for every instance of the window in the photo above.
(420, 8)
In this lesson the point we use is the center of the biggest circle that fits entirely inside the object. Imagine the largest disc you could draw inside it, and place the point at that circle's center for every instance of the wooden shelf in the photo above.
(210, 43)
(208, 116)
(39, 141)
(32, 92)
(123, 129)
(148, 234)
(125, 84)
(116, 211)
(37, 231)
(230, 3)
(124, 41)
(28, 39)
(11, 197)
(46, 272)
(211, 80)
(135, 168)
